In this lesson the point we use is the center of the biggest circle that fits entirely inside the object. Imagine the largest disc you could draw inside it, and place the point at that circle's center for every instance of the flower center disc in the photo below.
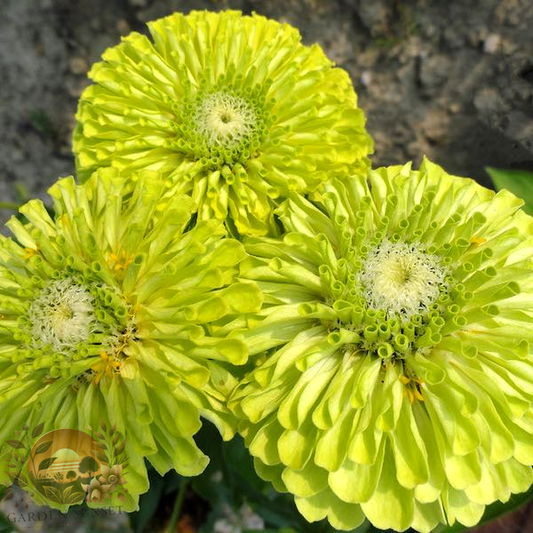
(225, 120)
(401, 279)
(62, 315)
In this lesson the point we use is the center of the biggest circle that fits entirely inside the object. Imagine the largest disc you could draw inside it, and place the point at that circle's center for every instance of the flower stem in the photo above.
(13, 206)
(177, 505)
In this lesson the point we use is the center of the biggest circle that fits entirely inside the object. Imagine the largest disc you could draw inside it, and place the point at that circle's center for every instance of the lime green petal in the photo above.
(427, 516)
(264, 443)
(94, 303)
(315, 507)
(428, 492)
(137, 477)
(295, 446)
(307, 481)
(270, 473)
(523, 447)
(331, 449)
(298, 405)
(342, 480)
(345, 516)
(518, 477)
(233, 109)
(389, 495)
(342, 516)
(410, 455)
(461, 432)
(393, 348)
(185, 455)
(260, 403)
(213, 409)
(491, 485)
(458, 507)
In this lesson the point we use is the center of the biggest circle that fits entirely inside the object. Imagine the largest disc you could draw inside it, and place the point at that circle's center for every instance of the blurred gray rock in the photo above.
(451, 80)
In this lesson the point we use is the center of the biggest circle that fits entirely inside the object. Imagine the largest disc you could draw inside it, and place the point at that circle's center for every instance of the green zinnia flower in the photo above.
(105, 312)
(395, 376)
(234, 108)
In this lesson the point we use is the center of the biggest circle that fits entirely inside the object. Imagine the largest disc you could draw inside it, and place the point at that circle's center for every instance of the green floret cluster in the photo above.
(394, 366)
(229, 254)
(234, 109)
(106, 310)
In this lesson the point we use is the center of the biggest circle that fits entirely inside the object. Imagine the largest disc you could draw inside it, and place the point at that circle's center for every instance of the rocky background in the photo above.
(449, 79)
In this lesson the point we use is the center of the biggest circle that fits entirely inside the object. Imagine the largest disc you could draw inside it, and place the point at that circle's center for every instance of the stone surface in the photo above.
(453, 81)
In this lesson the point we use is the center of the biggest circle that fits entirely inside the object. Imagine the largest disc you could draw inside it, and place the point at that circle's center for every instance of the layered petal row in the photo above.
(105, 313)
(233, 108)
(393, 366)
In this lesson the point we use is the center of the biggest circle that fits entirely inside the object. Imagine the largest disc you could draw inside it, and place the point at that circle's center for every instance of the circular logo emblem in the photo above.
(65, 467)
(61, 462)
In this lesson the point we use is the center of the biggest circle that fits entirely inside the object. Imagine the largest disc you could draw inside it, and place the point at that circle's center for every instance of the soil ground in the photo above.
(451, 80)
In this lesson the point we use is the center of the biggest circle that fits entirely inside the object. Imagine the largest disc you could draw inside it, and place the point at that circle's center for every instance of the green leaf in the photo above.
(15, 444)
(75, 497)
(52, 494)
(46, 463)
(5, 493)
(37, 430)
(43, 447)
(66, 492)
(102, 457)
(12, 476)
(519, 182)
(120, 448)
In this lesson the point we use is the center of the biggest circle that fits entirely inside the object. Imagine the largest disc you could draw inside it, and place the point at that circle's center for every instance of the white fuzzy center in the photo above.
(401, 279)
(224, 119)
(62, 315)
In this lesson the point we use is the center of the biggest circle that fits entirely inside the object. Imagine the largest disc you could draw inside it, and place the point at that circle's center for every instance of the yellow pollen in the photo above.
(30, 252)
(418, 395)
(106, 366)
(120, 261)
(412, 388)
(476, 241)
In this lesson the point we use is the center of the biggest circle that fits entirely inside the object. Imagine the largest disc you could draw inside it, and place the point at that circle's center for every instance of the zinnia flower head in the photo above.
(105, 311)
(233, 108)
(394, 375)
